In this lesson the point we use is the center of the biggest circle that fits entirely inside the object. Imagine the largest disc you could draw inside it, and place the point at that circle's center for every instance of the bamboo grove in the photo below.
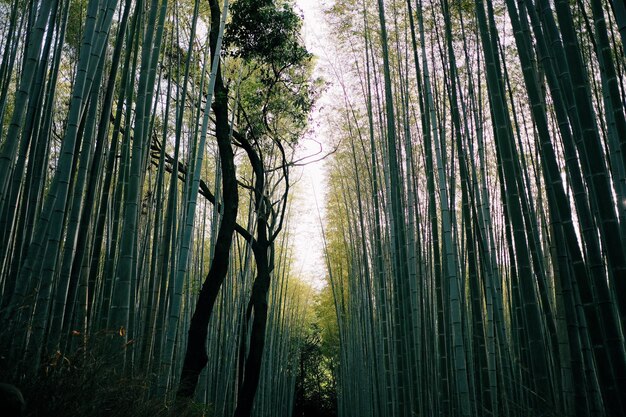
(144, 185)
(475, 234)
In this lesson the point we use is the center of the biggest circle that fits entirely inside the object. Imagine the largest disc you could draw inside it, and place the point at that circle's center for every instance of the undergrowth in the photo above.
(87, 383)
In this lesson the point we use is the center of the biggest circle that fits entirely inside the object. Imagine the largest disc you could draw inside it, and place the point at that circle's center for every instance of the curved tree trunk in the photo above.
(263, 249)
(195, 355)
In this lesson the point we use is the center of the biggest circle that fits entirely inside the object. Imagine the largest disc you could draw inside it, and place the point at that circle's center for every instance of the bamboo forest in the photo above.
(301, 208)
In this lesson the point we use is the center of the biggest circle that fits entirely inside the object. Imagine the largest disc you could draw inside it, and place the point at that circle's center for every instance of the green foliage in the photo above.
(315, 385)
(76, 17)
(277, 91)
(327, 321)
(277, 102)
(265, 31)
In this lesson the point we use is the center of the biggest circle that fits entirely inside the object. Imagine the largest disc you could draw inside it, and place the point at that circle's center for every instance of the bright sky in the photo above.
(310, 189)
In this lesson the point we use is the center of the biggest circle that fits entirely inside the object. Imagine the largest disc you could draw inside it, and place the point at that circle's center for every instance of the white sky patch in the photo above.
(310, 180)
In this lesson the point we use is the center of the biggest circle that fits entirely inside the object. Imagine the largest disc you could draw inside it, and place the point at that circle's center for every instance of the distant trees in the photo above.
(315, 393)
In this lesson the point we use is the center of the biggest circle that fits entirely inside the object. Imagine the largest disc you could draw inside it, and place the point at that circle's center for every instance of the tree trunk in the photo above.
(195, 355)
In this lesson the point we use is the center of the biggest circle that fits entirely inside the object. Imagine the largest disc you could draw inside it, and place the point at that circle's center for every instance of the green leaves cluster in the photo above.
(276, 91)
(265, 31)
